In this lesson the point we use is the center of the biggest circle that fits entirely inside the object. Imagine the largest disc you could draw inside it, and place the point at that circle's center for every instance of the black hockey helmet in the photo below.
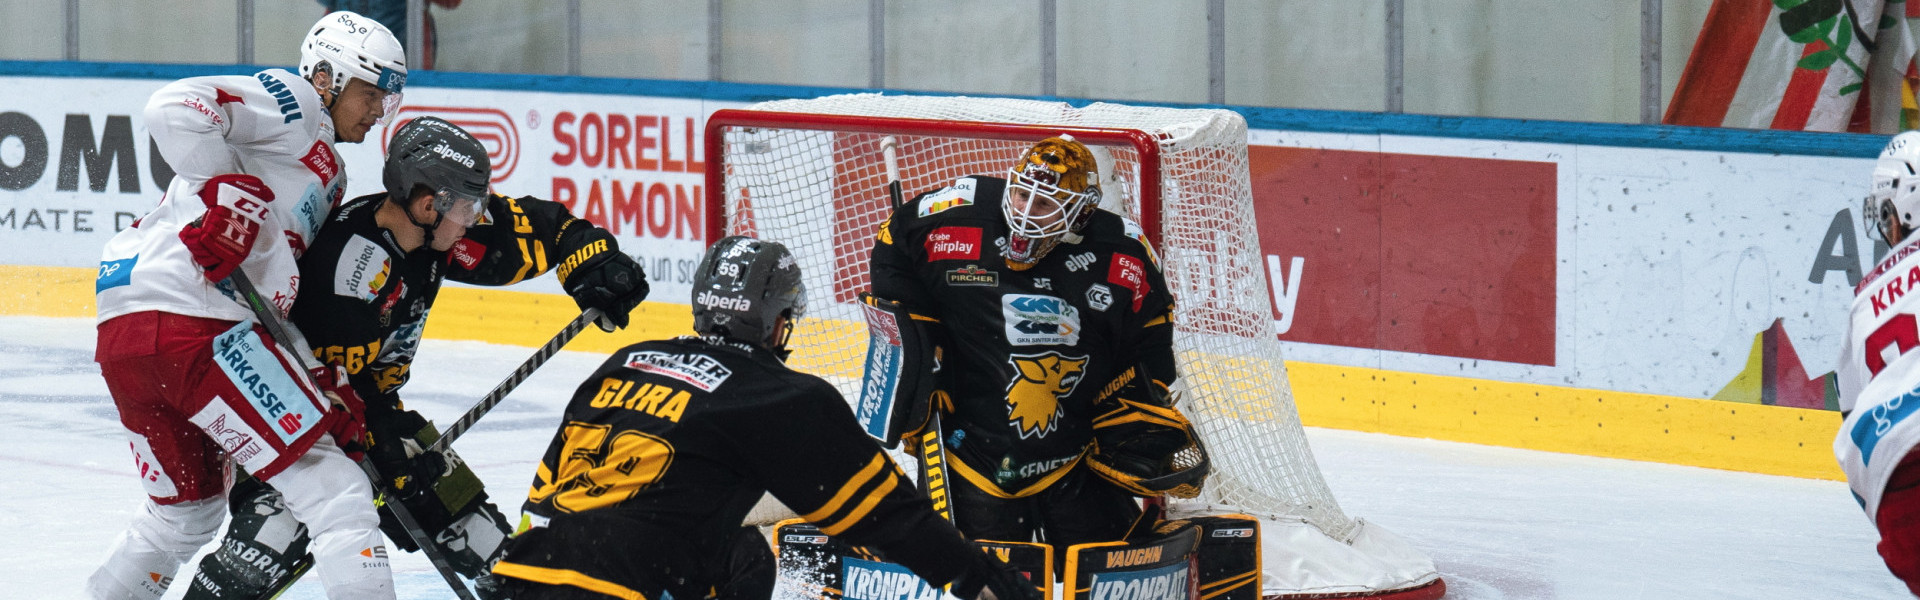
(742, 288)
(431, 152)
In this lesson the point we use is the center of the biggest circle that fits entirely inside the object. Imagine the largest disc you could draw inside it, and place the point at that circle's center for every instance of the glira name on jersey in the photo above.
(657, 400)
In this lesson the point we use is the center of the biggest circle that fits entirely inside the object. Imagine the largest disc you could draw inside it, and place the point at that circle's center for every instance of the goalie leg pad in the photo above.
(813, 565)
(901, 371)
(1155, 566)
(1229, 557)
(264, 551)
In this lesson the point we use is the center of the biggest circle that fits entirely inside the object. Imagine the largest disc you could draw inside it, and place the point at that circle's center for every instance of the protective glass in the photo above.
(391, 82)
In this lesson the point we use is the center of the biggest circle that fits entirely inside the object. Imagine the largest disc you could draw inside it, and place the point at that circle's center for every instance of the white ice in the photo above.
(1500, 523)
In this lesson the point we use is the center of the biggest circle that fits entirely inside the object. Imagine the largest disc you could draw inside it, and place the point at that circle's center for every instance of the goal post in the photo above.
(811, 174)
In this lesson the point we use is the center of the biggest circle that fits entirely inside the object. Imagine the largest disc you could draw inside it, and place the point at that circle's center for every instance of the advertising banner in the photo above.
(77, 165)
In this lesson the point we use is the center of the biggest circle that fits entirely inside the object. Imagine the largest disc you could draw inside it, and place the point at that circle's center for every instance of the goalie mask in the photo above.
(440, 156)
(743, 287)
(1051, 193)
(1895, 197)
(350, 46)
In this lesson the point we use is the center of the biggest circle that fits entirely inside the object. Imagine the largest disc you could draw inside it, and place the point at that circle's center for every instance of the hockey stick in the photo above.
(270, 319)
(932, 452)
(520, 374)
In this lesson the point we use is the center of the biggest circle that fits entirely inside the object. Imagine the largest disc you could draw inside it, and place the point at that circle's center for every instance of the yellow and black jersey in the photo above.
(1030, 351)
(667, 446)
(363, 300)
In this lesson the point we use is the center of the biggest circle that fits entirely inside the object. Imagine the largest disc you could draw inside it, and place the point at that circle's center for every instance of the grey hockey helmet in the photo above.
(742, 288)
(1896, 188)
(431, 152)
(351, 46)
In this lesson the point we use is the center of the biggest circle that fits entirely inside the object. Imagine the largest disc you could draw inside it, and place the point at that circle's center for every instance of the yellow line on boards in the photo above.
(1668, 429)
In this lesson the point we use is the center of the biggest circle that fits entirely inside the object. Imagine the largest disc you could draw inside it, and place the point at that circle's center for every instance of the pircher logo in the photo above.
(698, 370)
(972, 276)
(712, 301)
(1033, 397)
(495, 130)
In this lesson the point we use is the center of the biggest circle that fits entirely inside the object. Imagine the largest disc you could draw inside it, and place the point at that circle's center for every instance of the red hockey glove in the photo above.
(347, 418)
(221, 239)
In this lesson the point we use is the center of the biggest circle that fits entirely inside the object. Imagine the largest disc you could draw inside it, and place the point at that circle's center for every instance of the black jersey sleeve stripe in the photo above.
(566, 577)
(853, 484)
(866, 506)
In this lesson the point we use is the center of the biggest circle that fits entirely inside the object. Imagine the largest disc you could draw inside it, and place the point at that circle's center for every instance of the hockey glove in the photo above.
(347, 417)
(607, 280)
(987, 578)
(221, 239)
(408, 468)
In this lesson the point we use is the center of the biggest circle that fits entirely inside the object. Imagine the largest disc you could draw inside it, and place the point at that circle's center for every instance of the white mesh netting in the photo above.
(823, 192)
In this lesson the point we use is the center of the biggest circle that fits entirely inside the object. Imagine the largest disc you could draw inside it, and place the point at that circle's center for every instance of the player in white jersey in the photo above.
(1879, 374)
(199, 386)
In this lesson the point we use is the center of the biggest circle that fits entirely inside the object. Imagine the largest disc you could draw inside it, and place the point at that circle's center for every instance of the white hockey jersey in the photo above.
(270, 125)
(1879, 375)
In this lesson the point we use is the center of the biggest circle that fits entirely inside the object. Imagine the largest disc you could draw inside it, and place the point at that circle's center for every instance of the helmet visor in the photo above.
(465, 209)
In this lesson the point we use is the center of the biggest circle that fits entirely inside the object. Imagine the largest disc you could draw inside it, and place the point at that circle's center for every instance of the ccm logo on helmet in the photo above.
(449, 153)
(711, 301)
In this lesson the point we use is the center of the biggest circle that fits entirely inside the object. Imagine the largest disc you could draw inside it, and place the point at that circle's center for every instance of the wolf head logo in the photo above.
(1033, 399)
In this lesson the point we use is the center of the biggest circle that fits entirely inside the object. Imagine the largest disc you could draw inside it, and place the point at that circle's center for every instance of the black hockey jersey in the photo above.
(363, 301)
(1030, 352)
(667, 446)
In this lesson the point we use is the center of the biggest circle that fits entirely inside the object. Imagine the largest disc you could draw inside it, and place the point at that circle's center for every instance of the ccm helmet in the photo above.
(743, 286)
(1896, 190)
(432, 153)
(350, 46)
(1055, 185)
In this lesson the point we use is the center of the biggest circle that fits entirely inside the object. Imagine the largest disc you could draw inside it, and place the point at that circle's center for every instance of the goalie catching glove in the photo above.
(597, 275)
(1144, 445)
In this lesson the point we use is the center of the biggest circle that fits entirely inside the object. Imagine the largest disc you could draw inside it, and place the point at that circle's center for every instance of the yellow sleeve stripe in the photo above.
(859, 480)
(866, 506)
(567, 577)
(1160, 320)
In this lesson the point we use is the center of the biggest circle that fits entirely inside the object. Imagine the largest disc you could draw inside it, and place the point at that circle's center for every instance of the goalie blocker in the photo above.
(903, 363)
(1213, 557)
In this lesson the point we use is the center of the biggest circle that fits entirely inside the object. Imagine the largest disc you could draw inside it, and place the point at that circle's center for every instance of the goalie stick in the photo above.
(268, 317)
(931, 451)
(520, 374)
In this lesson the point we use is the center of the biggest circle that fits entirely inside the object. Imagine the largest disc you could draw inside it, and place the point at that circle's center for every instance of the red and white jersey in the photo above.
(1879, 375)
(271, 125)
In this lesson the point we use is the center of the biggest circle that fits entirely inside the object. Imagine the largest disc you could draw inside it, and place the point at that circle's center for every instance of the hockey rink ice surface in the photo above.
(1500, 523)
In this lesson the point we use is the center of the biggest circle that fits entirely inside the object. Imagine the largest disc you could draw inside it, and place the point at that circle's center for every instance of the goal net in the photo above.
(813, 174)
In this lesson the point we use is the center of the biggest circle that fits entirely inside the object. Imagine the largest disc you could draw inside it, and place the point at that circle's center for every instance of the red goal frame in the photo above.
(1147, 147)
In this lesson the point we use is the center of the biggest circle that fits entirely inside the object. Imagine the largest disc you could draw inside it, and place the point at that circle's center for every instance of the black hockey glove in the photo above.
(598, 275)
(406, 468)
(988, 578)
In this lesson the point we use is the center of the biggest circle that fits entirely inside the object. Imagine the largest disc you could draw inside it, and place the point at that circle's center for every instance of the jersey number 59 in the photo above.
(595, 472)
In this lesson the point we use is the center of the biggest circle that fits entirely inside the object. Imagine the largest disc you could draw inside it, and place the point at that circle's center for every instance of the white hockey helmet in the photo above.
(1896, 189)
(351, 46)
